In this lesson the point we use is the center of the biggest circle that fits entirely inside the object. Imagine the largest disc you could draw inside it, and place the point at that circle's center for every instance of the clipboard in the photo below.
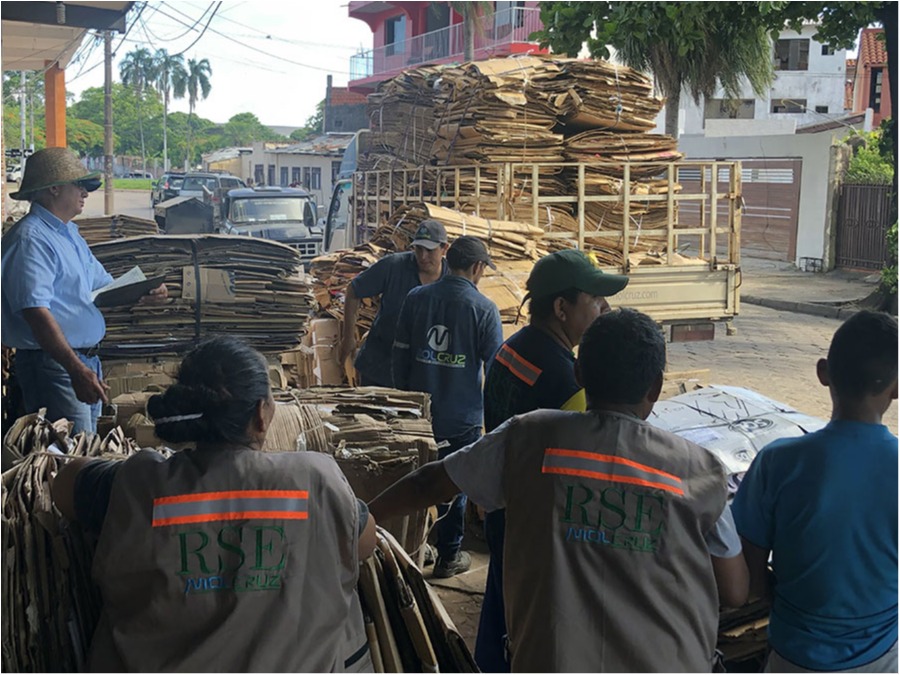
(128, 294)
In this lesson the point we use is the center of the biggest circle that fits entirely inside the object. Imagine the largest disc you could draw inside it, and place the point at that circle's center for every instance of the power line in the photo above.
(205, 28)
(255, 49)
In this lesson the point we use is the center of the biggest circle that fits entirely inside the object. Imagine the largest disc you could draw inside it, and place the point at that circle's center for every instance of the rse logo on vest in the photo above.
(626, 516)
(243, 557)
(437, 353)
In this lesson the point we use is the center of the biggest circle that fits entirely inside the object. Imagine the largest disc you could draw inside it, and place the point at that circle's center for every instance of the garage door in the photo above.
(771, 190)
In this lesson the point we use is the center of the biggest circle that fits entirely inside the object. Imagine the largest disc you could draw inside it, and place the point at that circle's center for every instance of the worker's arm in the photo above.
(348, 329)
(728, 564)
(757, 560)
(731, 580)
(427, 485)
(62, 487)
(368, 539)
(476, 469)
(88, 387)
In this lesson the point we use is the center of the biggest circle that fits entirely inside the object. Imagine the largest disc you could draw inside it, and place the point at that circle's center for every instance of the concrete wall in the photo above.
(821, 85)
(814, 228)
(277, 159)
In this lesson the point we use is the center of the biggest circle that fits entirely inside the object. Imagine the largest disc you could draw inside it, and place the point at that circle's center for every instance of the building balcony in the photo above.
(507, 32)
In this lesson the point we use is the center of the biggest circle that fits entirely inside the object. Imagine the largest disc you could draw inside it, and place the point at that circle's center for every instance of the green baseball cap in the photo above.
(570, 268)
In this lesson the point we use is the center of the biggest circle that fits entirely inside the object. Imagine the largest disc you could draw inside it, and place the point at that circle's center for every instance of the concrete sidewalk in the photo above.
(780, 285)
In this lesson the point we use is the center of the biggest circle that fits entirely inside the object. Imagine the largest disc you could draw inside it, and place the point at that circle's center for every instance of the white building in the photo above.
(810, 79)
(312, 165)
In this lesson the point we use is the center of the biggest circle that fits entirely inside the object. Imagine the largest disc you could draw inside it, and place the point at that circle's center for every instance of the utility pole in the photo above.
(22, 114)
(108, 196)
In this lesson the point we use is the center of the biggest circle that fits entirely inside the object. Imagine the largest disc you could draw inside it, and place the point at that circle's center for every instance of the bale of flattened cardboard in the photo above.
(252, 288)
(117, 226)
(50, 603)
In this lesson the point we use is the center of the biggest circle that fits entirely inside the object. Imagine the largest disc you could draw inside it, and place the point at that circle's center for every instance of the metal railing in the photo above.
(508, 26)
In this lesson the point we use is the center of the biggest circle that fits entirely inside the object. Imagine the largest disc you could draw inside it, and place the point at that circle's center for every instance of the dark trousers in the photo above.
(452, 524)
(490, 643)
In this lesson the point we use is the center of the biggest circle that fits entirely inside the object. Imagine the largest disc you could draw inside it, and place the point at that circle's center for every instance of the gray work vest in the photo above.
(605, 563)
(229, 561)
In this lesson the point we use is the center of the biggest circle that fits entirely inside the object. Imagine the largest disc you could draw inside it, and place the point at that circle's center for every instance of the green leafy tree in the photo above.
(244, 129)
(138, 70)
(193, 82)
(688, 46)
(84, 137)
(128, 111)
(869, 164)
(169, 69)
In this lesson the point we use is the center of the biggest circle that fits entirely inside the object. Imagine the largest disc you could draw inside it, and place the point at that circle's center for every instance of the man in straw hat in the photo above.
(48, 274)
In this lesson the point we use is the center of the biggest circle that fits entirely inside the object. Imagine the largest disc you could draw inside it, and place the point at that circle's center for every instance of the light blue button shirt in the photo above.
(47, 263)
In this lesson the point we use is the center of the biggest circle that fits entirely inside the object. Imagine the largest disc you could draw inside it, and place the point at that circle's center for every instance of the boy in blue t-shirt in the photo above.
(825, 506)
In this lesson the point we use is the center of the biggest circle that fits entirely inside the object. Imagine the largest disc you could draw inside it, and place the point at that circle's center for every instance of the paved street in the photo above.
(131, 202)
(773, 353)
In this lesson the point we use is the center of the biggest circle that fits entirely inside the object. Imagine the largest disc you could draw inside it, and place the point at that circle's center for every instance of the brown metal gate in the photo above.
(864, 212)
(771, 192)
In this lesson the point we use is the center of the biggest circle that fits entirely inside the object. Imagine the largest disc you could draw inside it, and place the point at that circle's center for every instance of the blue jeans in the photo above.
(46, 384)
(450, 529)
(490, 643)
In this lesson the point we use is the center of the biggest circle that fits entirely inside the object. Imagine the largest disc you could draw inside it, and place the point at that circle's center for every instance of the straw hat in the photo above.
(51, 166)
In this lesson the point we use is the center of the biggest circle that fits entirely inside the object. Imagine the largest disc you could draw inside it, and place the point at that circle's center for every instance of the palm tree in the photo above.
(168, 69)
(137, 71)
(729, 54)
(195, 82)
(472, 13)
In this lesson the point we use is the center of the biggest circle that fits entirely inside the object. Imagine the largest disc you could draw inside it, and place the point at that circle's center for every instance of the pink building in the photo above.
(406, 34)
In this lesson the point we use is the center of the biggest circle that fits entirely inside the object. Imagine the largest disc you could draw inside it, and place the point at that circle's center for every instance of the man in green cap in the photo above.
(48, 274)
(535, 368)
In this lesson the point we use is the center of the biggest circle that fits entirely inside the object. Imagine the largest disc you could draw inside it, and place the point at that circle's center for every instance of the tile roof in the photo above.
(872, 50)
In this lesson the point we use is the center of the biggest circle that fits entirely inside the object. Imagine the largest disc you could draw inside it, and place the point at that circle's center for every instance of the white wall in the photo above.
(821, 85)
(291, 160)
(814, 218)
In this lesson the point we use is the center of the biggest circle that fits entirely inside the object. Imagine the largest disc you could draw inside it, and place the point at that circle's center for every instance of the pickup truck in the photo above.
(684, 263)
(285, 215)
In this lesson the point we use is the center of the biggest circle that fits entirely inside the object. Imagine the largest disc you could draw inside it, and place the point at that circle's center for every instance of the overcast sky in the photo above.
(269, 58)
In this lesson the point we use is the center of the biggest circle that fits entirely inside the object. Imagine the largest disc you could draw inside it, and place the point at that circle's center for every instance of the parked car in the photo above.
(210, 187)
(14, 174)
(166, 187)
(285, 215)
(139, 174)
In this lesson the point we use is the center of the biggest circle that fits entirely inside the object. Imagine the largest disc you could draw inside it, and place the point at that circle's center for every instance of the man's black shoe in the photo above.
(450, 567)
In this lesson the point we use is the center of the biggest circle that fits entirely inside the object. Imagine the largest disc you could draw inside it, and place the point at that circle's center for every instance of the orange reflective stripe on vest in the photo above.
(232, 505)
(524, 370)
(608, 467)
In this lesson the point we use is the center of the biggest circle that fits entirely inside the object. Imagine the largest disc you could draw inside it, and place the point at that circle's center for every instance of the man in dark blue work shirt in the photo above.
(447, 332)
(392, 278)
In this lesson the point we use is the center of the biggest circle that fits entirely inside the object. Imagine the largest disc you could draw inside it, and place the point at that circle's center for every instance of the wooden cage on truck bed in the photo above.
(673, 227)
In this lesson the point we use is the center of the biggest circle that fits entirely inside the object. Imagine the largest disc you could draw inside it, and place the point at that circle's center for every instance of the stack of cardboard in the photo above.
(118, 226)
(50, 603)
(536, 109)
(251, 288)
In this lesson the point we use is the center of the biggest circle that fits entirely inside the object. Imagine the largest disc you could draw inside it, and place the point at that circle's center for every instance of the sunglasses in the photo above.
(88, 184)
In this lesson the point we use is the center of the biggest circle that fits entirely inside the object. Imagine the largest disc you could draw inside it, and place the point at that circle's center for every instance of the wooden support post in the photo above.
(55, 105)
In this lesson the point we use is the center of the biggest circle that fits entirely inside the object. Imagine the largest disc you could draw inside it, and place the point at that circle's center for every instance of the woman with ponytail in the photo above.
(222, 557)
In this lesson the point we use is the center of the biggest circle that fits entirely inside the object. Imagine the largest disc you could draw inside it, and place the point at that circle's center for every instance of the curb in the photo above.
(812, 308)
